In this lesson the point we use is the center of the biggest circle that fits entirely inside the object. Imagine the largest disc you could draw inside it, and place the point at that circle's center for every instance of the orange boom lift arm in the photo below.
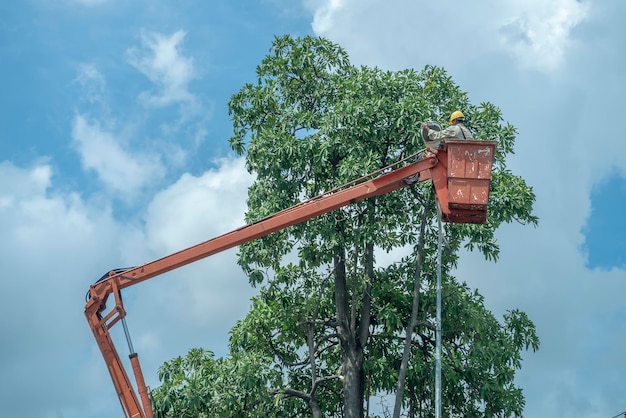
(460, 174)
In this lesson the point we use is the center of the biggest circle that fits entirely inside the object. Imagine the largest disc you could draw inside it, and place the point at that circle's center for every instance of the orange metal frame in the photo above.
(468, 204)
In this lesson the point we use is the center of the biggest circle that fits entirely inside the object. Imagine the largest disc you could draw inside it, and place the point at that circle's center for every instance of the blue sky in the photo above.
(605, 230)
(114, 152)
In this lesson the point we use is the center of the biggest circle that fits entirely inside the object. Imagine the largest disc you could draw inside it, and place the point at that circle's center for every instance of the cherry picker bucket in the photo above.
(463, 193)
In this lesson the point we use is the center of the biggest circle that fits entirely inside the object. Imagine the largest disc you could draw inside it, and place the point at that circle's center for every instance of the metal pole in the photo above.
(128, 340)
(438, 324)
(141, 383)
(141, 386)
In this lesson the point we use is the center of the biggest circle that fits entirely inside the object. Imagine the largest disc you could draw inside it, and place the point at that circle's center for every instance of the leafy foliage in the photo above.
(327, 329)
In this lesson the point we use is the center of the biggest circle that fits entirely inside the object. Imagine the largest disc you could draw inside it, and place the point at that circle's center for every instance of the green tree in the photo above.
(327, 329)
(199, 385)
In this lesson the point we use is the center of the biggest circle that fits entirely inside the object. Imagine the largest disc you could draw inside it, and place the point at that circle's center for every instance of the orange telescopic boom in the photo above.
(460, 174)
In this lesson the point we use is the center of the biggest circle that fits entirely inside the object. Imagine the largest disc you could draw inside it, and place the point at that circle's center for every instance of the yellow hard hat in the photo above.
(455, 115)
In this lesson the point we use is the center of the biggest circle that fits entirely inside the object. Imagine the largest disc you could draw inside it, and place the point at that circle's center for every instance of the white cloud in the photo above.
(220, 191)
(52, 247)
(538, 33)
(92, 82)
(23, 183)
(115, 164)
(162, 62)
(55, 245)
(325, 10)
(535, 33)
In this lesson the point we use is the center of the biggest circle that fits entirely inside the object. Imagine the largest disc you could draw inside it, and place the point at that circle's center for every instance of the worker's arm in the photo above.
(434, 139)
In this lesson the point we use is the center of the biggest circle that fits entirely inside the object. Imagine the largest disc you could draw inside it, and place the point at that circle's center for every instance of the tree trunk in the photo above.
(351, 338)
(352, 353)
(315, 408)
(353, 387)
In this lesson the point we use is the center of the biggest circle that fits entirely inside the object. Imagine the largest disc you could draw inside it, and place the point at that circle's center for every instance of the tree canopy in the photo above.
(326, 332)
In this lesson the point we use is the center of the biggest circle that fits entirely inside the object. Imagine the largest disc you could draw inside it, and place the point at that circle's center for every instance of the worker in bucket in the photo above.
(433, 137)
(457, 130)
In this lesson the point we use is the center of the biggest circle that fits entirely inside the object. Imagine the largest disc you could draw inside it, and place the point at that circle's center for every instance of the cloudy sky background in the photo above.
(113, 152)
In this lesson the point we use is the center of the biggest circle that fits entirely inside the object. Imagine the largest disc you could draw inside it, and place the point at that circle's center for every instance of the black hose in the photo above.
(106, 276)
